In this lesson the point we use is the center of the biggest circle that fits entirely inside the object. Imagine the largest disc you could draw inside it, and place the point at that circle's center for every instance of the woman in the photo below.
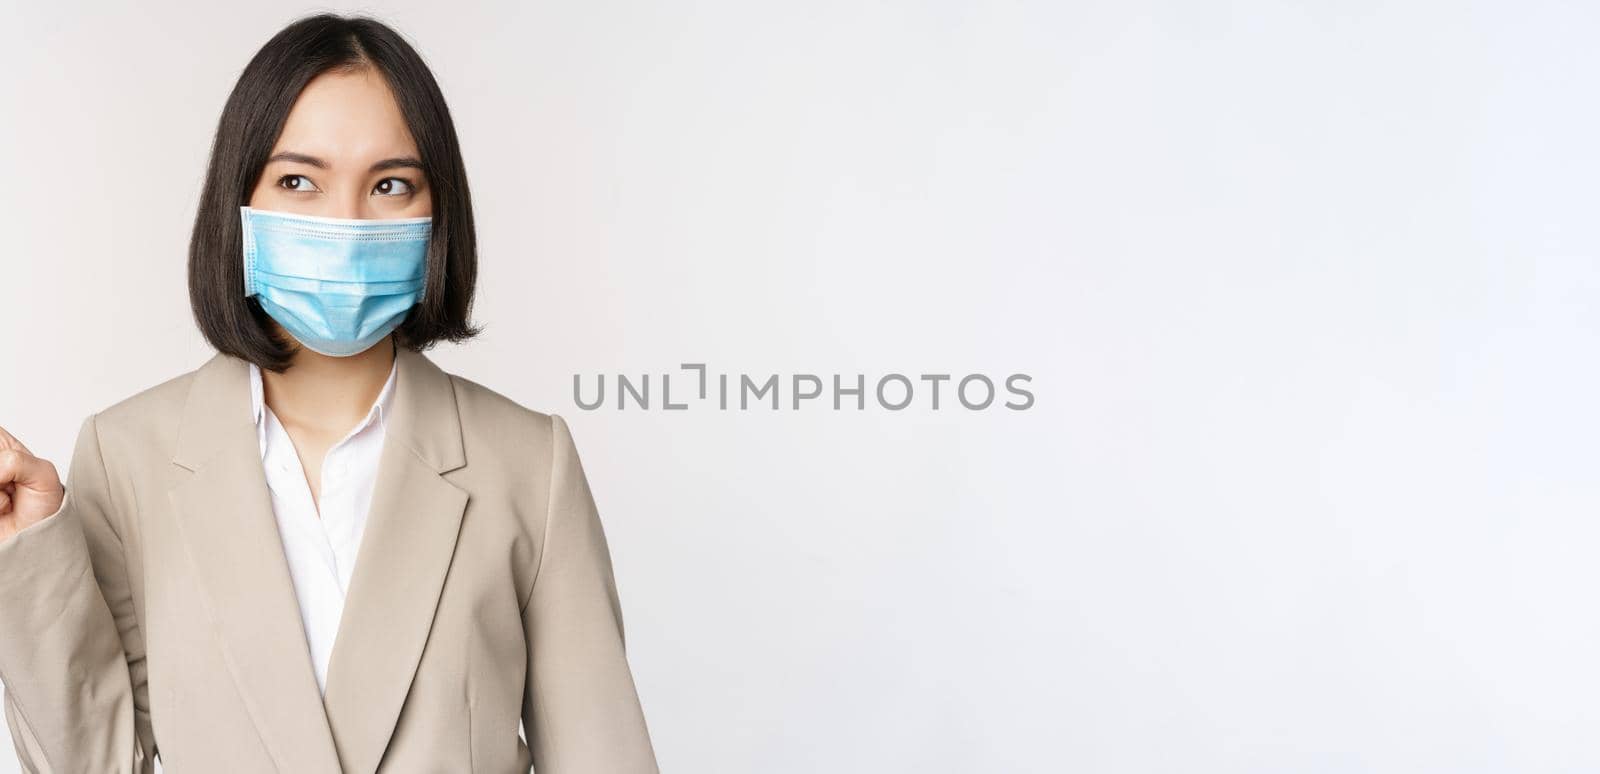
(194, 590)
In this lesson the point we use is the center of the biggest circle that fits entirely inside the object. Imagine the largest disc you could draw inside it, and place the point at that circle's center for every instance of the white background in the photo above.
(1308, 292)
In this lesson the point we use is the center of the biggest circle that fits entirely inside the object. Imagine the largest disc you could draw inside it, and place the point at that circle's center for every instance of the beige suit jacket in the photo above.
(155, 612)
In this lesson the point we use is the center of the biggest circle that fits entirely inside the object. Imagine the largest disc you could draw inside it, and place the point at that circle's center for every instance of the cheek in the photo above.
(262, 194)
(420, 206)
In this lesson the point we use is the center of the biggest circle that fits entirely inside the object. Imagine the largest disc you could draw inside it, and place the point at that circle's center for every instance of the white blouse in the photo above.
(321, 550)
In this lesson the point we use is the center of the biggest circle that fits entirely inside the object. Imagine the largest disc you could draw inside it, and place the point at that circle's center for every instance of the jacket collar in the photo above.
(224, 514)
(381, 408)
(220, 396)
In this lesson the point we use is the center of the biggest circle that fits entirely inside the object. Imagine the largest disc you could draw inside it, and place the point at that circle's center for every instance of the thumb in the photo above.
(35, 489)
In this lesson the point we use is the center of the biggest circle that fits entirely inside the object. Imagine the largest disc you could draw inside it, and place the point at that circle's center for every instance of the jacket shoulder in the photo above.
(485, 412)
(472, 396)
(148, 413)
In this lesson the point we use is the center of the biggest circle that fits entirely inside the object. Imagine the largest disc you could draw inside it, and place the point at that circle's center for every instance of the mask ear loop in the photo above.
(422, 293)
(427, 253)
(249, 252)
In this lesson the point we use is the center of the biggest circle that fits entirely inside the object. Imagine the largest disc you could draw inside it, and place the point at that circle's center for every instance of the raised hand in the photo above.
(30, 490)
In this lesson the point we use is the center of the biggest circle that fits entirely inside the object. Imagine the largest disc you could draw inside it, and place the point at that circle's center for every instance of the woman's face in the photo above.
(345, 152)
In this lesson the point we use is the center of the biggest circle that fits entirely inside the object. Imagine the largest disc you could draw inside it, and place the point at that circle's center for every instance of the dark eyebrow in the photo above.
(300, 157)
(396, 163)
(402, 162)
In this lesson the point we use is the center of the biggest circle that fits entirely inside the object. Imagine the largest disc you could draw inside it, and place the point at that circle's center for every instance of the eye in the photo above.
(296, 183)
(392, 186)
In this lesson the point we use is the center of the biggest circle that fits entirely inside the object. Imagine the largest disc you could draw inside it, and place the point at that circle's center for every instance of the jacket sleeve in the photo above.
(580, 708)
(71, 652)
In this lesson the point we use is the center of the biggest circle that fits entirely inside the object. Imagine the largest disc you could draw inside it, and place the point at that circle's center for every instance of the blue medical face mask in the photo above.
(338, 286)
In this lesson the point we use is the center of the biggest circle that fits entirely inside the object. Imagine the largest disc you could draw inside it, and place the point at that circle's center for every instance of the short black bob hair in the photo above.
(251, 122)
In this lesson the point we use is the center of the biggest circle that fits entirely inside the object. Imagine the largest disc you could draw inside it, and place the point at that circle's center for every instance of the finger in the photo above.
(9, 441)
(5, 501)
(23, 469)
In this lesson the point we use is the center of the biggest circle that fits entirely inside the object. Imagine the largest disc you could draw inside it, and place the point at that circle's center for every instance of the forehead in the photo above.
(347, 118)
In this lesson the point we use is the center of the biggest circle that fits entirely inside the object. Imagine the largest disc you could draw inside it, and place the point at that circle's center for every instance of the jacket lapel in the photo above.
(224, 513)
(406, 550)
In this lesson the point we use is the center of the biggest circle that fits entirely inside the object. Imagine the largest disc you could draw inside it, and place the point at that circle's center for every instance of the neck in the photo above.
(329, 394)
